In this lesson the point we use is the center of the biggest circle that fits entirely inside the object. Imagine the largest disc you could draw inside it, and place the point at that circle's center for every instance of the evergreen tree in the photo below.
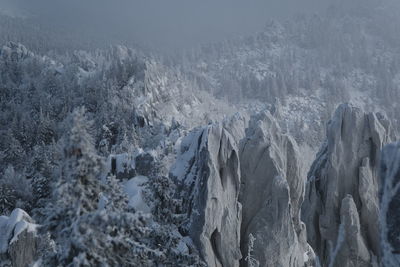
(77, 189)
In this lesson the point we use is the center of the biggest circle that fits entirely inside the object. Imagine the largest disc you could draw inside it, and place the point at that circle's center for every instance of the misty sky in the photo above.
(163, 23)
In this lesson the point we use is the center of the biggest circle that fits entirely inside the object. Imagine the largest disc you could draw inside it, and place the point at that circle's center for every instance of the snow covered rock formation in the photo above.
(341, 205)
(224, 166)
(18, 238)
(272, 193)
(390, 205)
(208, 171)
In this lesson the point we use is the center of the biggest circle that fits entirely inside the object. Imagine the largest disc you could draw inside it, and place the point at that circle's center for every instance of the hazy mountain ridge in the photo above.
(335, 57)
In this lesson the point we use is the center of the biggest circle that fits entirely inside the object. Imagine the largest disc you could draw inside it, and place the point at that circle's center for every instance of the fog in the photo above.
(130, 144)
(160, 23)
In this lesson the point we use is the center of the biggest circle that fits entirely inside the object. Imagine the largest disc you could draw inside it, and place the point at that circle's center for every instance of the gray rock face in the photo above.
(23, 251)
(212, 172)
(345, 173)
(350, 249)
(18, 238)
(208, 170)
(390, 205)
(271, 194)
(144, 164)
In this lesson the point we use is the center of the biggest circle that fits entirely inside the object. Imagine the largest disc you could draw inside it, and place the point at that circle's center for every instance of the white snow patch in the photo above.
(189, 146)
(11, 227)
(103, 200)
(134, 189)
(305, 257)
(22, 226)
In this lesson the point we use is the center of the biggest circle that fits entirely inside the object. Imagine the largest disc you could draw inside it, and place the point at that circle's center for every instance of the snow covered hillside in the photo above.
(238, 153)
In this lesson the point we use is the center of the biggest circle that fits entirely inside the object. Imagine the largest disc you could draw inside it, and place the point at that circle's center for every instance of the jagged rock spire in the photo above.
(220, 161)
(271, 194)
(343, 185)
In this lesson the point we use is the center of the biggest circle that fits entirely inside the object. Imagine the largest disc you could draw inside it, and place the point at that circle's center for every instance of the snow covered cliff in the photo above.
(341, 207)
(240, 179)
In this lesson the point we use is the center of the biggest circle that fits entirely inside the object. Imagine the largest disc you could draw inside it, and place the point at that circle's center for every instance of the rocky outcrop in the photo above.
(14, 52)
(390, 205)
(350, 249)
(341, 201)
(271, 194)
(212, 172)
(18, 238)
(23, 250)
(208, 171)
